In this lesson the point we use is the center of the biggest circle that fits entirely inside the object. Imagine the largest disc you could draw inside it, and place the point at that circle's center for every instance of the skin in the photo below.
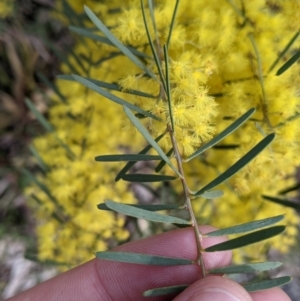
(100, 280)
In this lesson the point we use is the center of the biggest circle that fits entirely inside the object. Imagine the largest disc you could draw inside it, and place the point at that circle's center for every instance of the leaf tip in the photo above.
(86, 8)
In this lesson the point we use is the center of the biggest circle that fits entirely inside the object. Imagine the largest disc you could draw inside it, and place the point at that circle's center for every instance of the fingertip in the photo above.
(214, 288)
(274, 294)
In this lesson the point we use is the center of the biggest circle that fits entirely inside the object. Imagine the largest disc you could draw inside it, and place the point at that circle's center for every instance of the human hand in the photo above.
(100, 280)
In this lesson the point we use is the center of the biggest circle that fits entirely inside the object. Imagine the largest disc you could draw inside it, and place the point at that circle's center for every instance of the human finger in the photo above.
(128, 281)
(274, 294)
(216, 288)
(101, 280)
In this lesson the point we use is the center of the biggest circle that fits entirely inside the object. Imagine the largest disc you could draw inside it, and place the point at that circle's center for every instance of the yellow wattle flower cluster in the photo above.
(193, 109)
(220, 57)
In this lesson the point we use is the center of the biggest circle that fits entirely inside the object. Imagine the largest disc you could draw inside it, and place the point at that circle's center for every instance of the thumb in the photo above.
(214, 288)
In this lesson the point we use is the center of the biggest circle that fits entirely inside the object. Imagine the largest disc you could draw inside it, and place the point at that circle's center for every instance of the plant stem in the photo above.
(198, 235)
(158, 53)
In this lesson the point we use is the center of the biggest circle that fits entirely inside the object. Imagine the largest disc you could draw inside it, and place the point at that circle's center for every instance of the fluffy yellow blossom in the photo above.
(132, 24)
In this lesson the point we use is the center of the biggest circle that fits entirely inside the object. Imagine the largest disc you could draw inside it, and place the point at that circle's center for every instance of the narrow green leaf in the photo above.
(89, 34)
(111, 96)
(56, 214)
(238, 11)
(65, 146)
(39, 159)
(289, 63)
(266, 284)
(131, 163)
(284, 202)
(176, 289)
(162, 163)
(47, 126)
(144, 214)
(226, 146)
(126, 157)
(292, 118)
(287, 47)
(140, 116)
(139, 177)
(114, 87)
(231, 128)
(149, 138)
(259, 73)
(52, 87)
(146, 259)
(151, 10)
(155, 207)
(169, 99)
(98, 62)
(239, 164)
(247, 239)
(246, 268)
(289, 189)
(40, 117)
(181, 225)
(78, 61)
(41, 185)
(213, 194)
(154, 53)
(70, 13)
(247, 227)
(172, 22)
(117, 43)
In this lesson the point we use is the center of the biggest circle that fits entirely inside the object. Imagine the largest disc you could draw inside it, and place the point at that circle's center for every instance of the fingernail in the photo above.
(214, 294)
